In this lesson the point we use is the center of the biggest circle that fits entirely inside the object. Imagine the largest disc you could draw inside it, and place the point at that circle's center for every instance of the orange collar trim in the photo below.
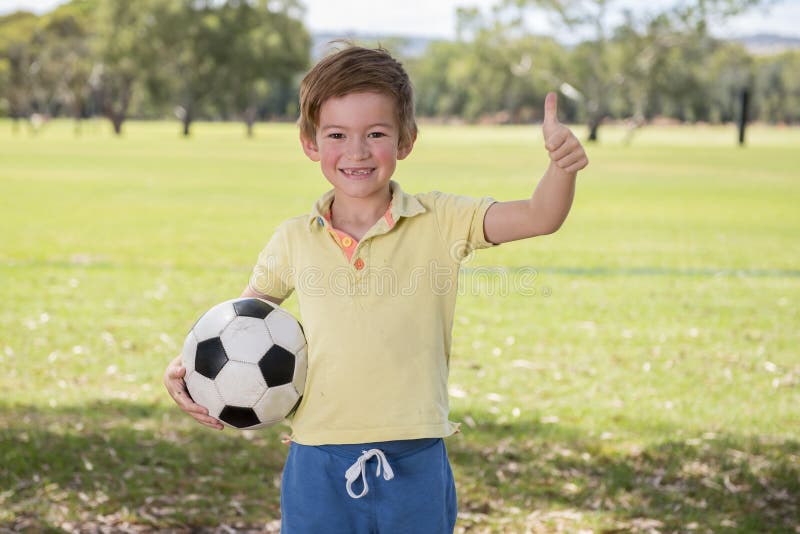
(347, 242)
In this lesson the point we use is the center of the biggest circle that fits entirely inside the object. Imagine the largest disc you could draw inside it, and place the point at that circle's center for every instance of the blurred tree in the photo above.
(494, 71)
(66, 57)
(223, 57)
(242, 58)
(430, 73)
(127, 49)
(664, 70)
(195, 46)
(729, 69)
(592, 59)
(17, 61)
(777, 93)
(267, 47)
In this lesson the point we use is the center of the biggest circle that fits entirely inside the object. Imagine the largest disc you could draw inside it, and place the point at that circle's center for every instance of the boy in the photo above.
(378, 357)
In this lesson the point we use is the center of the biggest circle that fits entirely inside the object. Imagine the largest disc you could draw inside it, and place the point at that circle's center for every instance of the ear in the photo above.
(310, 147)
(404, 151)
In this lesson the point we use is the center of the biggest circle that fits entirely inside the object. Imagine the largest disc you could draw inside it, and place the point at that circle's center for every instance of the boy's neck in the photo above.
(361, 212)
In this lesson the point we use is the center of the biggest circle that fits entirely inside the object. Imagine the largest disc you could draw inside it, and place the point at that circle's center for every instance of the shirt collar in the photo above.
(402, 205)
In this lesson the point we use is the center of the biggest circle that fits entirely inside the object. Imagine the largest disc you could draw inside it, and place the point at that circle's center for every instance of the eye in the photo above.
(336, 135)
(376, 135)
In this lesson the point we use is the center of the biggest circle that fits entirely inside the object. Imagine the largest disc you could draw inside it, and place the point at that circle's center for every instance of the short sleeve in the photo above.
(460, 220)
(273, 275)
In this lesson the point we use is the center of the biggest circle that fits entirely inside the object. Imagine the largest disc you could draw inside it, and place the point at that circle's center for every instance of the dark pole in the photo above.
(745, 100)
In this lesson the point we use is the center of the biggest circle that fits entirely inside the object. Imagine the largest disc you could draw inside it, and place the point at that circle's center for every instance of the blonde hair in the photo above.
(355, 69)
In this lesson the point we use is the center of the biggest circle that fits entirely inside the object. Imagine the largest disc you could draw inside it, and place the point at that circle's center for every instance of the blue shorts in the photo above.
(334, 489)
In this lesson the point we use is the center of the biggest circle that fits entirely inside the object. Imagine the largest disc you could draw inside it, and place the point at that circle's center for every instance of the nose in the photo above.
(358, 148)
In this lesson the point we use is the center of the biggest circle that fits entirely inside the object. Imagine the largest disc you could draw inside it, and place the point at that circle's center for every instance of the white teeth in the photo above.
(360, 172)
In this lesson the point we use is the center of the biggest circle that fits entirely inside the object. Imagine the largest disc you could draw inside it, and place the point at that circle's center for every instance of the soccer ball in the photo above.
(246, 362)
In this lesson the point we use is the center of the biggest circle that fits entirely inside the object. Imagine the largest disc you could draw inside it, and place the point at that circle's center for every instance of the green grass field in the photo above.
(651, 384)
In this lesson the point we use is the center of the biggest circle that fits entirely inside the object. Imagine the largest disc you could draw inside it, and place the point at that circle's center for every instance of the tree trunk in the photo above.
(116, 120)
(186, 116)
(117, 123)
(117, 116)
(250, 119)
(77, 114)
(594, 125)
(744, 98)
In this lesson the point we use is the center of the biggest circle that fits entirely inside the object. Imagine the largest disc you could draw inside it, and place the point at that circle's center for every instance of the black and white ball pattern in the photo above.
(246, 362)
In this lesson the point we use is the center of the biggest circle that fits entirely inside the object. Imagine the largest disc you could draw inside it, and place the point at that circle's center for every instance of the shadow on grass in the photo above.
(552, 477)
(117, 463)
(111, 463)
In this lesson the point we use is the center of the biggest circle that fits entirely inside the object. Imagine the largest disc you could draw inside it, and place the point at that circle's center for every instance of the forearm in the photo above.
(545, 211)
(552, 199)
(249, 292)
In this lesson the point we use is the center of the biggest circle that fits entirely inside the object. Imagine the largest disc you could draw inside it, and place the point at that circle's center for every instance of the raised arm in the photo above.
(549, 205)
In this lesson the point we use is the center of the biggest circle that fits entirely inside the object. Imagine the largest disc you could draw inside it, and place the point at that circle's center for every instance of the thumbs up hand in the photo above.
(565, 150)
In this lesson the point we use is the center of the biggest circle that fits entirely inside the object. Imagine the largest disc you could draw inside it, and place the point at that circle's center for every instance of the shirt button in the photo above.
(347, 241)
(320, 221)
(359, 264)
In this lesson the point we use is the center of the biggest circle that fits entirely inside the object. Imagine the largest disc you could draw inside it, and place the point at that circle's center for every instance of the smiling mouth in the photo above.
(358, 172)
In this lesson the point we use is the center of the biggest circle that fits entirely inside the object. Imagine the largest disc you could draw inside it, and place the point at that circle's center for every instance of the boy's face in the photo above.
(357, 143)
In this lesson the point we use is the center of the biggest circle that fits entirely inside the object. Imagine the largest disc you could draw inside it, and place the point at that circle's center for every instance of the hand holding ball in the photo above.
(246, 362)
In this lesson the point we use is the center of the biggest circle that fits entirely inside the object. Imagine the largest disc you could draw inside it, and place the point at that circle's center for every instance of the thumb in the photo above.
(551, 108)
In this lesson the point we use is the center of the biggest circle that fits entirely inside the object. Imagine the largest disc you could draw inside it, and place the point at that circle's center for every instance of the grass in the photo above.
(651, 383)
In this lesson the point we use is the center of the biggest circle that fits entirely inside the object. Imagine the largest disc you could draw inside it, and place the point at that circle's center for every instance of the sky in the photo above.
(402, 17)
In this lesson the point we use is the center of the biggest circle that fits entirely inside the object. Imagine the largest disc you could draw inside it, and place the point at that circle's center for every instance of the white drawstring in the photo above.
(358, 469)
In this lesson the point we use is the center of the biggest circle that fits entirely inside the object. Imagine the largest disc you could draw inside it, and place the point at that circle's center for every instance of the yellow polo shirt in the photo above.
(377, 314)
